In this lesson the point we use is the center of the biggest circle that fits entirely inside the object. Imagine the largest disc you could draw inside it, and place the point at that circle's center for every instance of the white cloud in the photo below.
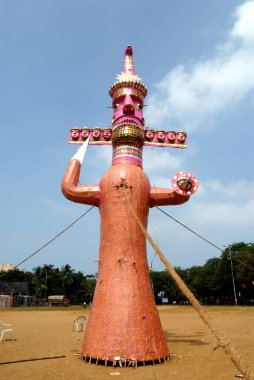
(238, 189)
(223, 204)
(230, 212)
(188, 93)
(222, 213)
(232, 205)
(159, 181)
(244, 25)
(160, 161)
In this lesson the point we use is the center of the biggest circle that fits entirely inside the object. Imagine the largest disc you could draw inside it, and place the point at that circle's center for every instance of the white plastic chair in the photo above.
(78, 323)
(6, 328)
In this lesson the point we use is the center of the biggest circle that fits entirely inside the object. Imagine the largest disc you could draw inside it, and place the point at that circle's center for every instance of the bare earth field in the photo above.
(42, 336)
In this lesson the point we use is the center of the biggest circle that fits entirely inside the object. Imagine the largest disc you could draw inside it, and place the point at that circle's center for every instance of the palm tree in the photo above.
(38, 280)
(67, 277)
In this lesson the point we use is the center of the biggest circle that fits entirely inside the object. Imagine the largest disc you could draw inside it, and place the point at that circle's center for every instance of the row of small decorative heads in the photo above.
(150, 135)
(96, 133)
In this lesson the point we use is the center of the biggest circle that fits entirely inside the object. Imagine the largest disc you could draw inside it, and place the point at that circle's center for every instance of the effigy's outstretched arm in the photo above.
(72, 190)
(184, 184)
(166, 197)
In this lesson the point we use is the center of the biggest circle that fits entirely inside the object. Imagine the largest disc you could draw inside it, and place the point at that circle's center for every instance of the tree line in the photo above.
(48, 280)
(228, 279)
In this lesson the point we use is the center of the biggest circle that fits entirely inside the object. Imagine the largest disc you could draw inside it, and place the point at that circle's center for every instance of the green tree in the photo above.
(15, 275)
(242, 256)
(162, 283)
(67, 278)
(38, 282)
(89, 284)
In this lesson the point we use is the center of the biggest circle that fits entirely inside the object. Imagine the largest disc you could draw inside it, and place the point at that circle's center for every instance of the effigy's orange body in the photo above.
(124, 320)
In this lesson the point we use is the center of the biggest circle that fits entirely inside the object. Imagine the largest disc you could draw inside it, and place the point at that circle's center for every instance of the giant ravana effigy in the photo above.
(124, 324)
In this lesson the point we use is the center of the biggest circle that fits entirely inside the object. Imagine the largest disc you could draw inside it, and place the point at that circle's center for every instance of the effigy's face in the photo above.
(107, 133)
(161, 136)
(96, 133)
(74, 133)
(181, 136)
(128, 107)
(149, 134)
(84, 133)
(171, 136)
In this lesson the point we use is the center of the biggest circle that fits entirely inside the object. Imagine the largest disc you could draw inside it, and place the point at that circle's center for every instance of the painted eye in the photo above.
(140, 106)
(116, 106)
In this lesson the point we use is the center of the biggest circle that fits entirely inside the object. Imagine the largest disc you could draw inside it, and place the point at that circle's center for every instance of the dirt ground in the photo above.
(46, 348)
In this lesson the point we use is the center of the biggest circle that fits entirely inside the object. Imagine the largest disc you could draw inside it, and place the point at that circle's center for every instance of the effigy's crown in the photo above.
(128, 78)
(128, 95)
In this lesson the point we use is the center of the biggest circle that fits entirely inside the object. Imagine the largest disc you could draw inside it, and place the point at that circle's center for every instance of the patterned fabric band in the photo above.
(127, 153)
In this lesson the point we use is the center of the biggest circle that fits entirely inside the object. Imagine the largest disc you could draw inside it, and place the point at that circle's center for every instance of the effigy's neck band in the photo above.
(127, 154)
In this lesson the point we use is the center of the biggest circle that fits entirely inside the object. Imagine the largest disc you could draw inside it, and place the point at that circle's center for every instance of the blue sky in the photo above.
(58, 59)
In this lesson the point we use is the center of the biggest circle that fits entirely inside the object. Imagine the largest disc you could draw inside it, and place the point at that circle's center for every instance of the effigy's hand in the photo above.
(185, 183)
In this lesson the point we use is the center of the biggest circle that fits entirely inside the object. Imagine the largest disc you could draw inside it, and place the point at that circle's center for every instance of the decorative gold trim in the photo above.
(127, 135)
(91, 142)
(165, 144)
(129, 84)
(128, 91)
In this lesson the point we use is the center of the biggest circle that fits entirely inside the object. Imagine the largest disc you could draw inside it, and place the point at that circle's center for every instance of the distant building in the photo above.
(14, 287)
(15, 293)
(5, 267)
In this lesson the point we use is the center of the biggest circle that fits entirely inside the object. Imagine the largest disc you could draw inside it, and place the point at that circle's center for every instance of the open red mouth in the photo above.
(128, 120)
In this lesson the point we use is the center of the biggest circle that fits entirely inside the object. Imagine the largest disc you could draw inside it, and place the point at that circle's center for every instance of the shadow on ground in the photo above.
(194, 339)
